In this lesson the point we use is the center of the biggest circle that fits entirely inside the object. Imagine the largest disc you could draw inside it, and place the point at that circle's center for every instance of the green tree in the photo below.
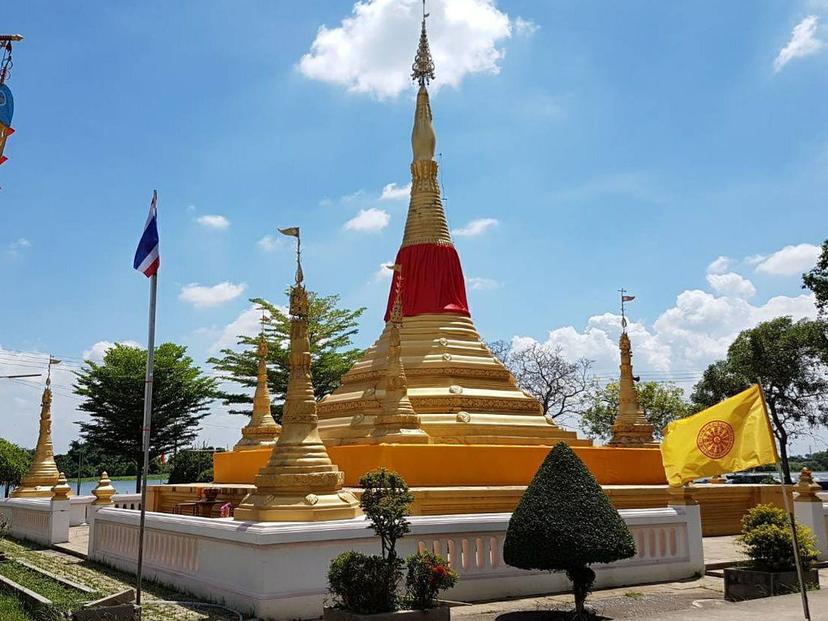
(14, 464)
(790, 361)
(662, 404)
(92, 462)
(192, 466)
(113, 394)
(330, 330)
(565, 522)
(817, 281)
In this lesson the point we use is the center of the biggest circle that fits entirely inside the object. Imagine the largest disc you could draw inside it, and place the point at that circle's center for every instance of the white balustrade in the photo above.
(40, 520)
(279, 569)
(127, 501)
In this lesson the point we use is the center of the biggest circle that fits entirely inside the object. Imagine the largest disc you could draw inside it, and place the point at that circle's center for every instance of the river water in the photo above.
(123, 487)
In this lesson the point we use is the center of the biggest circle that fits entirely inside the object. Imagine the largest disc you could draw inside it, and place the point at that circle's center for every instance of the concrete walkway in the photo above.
(695, 600)
(78, 544)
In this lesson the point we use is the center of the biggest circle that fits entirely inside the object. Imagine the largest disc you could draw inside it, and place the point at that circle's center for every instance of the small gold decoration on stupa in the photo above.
(61, 489)
(807, 490)
(43, 473)
(631, 428)
(262, 430)
(104, 491)
(299, 467)
(398, 422)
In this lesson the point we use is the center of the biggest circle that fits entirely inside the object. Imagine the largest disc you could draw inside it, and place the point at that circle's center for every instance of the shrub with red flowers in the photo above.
(428, 574)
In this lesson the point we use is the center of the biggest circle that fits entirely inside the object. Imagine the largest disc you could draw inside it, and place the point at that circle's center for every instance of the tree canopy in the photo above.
(789, 359)
(14, 464)
(662, 404)
(113, 393)
(544, 372)
(330, 331)
(565, 522)
(817, 280)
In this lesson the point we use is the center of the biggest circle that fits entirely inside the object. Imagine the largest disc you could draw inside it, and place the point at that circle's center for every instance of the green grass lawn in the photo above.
(64, 598)
(11, 609)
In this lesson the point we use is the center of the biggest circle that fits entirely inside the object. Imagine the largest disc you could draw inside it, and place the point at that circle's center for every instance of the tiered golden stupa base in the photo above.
(256, 438)
(460, 392)
(632, 435)
(33, 491)
(446, 465)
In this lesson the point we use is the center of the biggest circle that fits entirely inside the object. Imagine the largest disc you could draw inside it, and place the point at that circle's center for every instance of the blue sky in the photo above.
(585, 146)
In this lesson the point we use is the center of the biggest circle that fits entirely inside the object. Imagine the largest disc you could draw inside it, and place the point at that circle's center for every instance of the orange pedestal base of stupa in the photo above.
(449, 465)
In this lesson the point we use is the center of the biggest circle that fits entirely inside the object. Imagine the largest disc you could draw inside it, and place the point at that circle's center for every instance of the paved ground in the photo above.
(721, 551)
(78, 543)
(694, 600)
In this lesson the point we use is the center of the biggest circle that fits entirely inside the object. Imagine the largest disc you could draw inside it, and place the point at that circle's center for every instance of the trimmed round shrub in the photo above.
(766, 539)
(428, 574)
(565, 522)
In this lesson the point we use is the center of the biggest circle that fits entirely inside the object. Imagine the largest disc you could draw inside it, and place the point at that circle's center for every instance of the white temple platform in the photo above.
(278, 570)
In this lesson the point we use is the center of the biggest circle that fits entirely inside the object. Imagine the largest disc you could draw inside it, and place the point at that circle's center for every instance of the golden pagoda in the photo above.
(43, 473)
(299, 482)
(460, 391)
(262, 430)
(397, 422)
(630, 428)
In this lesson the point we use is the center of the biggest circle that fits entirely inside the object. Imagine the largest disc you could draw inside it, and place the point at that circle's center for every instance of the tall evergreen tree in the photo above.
(113, 394)
(330, 331)
(565, 522)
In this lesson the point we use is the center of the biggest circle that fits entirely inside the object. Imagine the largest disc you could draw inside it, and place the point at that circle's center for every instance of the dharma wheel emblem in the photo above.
(716, 439)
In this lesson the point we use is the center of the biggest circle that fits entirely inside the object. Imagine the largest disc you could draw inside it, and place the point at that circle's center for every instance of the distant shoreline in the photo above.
(151, 477)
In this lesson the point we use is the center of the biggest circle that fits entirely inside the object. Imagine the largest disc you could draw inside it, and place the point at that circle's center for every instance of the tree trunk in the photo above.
(8, 485)
(138, 481)
(783, 457)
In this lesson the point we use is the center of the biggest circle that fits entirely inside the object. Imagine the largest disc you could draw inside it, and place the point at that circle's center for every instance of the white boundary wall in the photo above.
(278, 570)
(41, 520)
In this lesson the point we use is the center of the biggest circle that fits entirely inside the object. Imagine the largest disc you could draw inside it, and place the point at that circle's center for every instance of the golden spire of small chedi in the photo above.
(299, 482)
(262, 430)
(631, 428)
(43, 473)
(398, 422)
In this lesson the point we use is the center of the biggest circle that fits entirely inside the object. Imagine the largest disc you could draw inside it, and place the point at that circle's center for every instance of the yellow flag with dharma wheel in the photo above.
(731, 436)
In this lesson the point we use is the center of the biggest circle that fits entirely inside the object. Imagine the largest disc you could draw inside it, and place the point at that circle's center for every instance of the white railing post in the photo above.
(681, 499)
(59, 521)
(811, 511)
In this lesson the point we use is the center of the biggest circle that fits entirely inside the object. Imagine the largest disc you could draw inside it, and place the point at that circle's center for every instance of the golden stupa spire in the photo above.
(43, 473)
(426, 222)
(299, 482)
(262, 430)
(398, 422)
(631, 427)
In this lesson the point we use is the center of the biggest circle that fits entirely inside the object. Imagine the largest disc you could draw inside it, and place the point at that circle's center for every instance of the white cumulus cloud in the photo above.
(383, 272)
(97, 352)
(803, 42)
(248, 323)
(369, 220)
(372, 49)
(719, 265)
(480, 283)
(202, 296)
(475, 227)
(731, 284)
(790, 261)
(269, 243)
(214, 222)
(394, 192)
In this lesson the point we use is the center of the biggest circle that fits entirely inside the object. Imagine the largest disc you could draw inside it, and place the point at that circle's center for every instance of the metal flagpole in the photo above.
(799, 576)
(146, 430)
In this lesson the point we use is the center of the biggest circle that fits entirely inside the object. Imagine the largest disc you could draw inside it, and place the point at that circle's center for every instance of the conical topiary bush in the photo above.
(565, 522)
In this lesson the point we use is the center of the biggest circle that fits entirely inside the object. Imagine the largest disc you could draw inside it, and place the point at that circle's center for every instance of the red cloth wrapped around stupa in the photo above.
(432, 281)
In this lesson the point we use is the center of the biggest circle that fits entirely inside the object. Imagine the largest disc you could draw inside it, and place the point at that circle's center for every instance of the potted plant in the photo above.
(767, 541)
(565, 522)
(369, 585)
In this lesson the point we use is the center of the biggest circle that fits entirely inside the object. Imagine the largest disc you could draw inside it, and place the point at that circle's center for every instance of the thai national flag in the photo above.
(147, 259)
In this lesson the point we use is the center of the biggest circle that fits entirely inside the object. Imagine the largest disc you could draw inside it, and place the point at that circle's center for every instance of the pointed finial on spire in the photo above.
(293, 231)
(423, 68)
(624, 298)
